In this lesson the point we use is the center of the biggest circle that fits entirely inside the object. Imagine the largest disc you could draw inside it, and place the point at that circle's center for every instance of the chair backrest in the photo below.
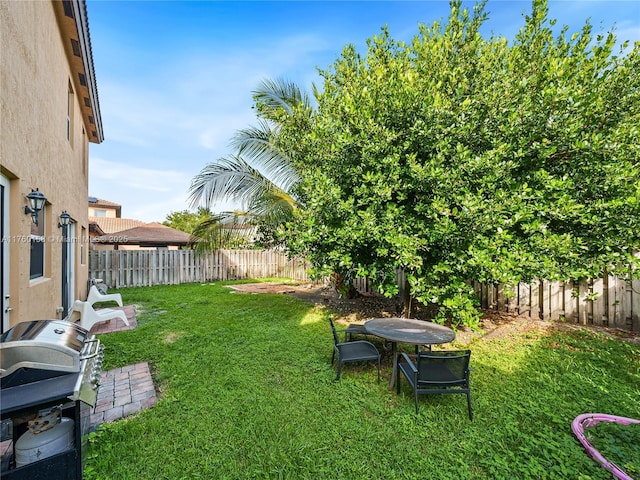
(80, 307)
(443, 367)
(336, 341)
(94, 295)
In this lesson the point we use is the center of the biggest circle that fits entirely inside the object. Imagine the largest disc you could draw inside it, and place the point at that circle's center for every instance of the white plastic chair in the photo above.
(95, 296)
(89, 317)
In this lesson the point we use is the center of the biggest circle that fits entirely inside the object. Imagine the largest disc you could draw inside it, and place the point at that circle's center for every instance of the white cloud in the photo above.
(135, 177)
(157, 210)
(145, 194)
(628, 31)
(182, 114)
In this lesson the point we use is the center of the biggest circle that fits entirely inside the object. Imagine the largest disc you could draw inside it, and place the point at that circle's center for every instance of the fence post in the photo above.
(583, 303)
(107, 267)
(598, 302)
(616, 303)
(535, 298)
(634, 309)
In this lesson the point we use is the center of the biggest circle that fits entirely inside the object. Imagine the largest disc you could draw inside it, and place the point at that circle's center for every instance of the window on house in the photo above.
(68, 8)
(97, 212)
(36, 242)
(69, 112)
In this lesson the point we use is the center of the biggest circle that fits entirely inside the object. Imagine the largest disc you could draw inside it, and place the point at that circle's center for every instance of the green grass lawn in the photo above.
(248, 391)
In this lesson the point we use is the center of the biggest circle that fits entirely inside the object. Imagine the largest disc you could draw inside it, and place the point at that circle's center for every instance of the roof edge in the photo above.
(82, 25)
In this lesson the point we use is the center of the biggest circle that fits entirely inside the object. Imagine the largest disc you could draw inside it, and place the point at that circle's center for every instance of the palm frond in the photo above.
(225, 230)
(260, 176)
(259, 145)
(229, 178)
(276, 95)
(274, 207)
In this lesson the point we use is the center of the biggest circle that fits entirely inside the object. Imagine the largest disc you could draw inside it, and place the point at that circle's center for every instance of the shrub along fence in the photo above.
(610, 301)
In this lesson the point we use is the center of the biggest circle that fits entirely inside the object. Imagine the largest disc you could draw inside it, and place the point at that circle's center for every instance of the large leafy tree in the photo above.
(460, 158)
(186, 220)
(260, 176)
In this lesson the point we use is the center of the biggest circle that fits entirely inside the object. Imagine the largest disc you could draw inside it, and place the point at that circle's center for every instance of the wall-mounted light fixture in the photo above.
(64, 220)
(36, 203)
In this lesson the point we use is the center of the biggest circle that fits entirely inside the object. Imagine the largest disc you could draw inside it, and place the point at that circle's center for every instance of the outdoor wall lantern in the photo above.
(64, 220)
(36, 203)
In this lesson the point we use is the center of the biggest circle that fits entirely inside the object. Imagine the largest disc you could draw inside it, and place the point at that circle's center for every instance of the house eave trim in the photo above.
(82, 23)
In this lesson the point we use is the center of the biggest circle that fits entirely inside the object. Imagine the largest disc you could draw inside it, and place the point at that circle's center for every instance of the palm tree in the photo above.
(260, 176)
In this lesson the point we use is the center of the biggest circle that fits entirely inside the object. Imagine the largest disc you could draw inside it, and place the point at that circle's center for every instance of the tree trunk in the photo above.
(405, 296)
(344, 288)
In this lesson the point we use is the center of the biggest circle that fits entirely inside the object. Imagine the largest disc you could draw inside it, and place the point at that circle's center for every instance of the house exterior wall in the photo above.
(35, 74)
(108, 212)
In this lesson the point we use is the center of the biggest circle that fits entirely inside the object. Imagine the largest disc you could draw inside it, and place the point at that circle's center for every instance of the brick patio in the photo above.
(123, 391)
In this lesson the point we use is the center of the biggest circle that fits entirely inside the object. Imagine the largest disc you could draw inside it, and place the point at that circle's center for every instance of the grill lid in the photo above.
(42, 344)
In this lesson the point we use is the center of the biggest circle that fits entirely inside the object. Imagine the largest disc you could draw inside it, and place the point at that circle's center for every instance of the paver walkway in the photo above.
(116, 324)
(123, 392)
(126, 390)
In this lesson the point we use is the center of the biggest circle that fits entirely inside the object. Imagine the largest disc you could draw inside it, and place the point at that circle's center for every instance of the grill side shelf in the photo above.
(32, 394)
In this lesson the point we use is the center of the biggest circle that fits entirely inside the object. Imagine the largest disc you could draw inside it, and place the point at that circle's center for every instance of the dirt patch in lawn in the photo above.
(360, 309)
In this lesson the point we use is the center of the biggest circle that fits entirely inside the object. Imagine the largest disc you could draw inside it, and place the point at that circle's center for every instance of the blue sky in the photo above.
(175, 78)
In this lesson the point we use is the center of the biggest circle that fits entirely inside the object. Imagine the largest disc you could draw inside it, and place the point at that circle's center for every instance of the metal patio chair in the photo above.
(436, 372)
(355, 351)
(355, 329)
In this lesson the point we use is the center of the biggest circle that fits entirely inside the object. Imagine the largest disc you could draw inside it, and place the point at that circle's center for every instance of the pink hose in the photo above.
(587, 420)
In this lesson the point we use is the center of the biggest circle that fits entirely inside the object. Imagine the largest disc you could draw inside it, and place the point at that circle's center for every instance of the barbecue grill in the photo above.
(45, 365)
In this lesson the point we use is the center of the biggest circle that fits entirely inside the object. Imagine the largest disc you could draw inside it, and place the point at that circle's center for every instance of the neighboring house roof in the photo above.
(100, 202)
(95, 229)
(147, 234)
(110, 225)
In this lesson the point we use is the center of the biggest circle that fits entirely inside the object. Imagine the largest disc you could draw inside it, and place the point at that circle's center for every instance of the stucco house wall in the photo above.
(38, 69)
(102, 212)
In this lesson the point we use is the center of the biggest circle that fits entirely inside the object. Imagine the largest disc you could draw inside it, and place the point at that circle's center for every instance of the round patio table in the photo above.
(408, 330)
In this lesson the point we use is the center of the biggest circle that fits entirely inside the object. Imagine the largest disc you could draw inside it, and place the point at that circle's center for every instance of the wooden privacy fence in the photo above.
(139, 268)
(610, 301)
